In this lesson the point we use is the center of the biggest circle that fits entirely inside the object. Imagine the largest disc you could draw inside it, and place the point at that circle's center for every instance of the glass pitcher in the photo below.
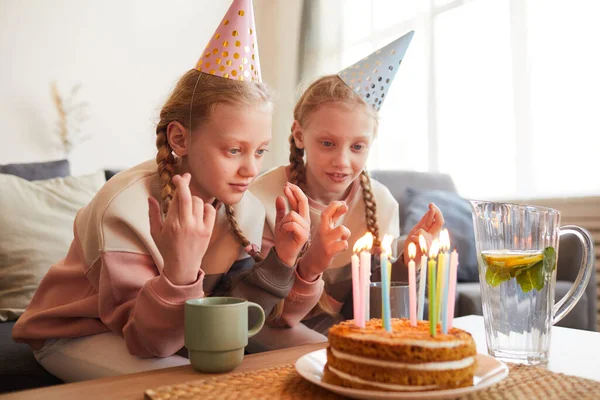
(517, 251)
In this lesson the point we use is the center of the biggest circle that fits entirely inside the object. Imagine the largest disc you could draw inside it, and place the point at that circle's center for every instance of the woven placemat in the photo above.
(283, 382)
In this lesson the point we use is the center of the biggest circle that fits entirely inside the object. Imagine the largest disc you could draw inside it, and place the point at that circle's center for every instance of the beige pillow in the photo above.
(36, 230)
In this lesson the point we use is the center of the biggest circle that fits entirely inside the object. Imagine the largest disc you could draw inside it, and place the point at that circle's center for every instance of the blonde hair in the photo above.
(330, 89)
(192, 102)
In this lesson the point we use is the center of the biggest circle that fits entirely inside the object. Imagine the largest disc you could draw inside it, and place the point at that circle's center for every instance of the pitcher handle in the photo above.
(569, 301)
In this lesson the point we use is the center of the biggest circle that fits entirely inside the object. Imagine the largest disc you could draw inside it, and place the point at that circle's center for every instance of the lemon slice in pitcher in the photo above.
(511, 259)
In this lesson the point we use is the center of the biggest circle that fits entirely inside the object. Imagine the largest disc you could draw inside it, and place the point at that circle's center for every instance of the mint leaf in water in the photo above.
(516, 271)
(532, 278)
(549, 260)
(496, 275)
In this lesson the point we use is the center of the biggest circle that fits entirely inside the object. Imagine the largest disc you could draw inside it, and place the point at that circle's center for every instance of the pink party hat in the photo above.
(232, 51)
(372, 76)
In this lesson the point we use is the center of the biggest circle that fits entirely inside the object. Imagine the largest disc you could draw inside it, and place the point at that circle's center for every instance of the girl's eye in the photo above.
(358, 147)
(261, 152)
(327, 143)
(234, 151)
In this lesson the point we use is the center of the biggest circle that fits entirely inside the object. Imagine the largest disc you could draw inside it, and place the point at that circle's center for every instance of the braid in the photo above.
(166, 167)
(298, 169)
(370, 208)
(235, 228)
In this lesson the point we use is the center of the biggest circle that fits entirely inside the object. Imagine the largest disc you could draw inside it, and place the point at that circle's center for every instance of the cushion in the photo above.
(36, 230)
(38, 171)
(458, 219)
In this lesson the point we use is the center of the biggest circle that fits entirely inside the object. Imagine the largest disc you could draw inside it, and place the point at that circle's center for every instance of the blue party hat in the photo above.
(372, 76)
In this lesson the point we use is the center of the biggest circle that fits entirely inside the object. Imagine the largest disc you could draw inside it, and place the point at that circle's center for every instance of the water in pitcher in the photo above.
(518, 302)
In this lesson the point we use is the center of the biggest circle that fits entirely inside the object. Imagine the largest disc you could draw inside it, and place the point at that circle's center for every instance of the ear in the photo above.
(178, 138)
(298, 134)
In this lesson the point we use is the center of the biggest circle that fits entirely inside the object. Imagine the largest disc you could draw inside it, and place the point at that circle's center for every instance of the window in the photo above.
(503, 95)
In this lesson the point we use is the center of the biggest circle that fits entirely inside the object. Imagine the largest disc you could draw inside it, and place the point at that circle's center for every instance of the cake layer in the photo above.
(429, 374)
(404, 344)
(424, 366)
(339, 378)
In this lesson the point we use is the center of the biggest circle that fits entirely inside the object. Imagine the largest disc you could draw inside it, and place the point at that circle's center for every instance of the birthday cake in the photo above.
(406, 359)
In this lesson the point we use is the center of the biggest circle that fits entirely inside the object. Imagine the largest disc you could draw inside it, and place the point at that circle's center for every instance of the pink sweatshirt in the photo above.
(336, 280)
(111, 277)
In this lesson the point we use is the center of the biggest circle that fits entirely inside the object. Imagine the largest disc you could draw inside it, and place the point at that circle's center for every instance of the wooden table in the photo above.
(572, 352)
(132, 386)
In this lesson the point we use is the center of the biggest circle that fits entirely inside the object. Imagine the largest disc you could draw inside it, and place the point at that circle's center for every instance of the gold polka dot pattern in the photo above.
(233, 52)
(372, 76)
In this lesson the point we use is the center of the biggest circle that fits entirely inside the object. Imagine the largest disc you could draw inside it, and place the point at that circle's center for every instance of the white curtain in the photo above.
(278, 27)
(501, 94)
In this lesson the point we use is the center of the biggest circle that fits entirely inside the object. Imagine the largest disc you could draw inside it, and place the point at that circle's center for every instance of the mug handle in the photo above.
(261, 321)
(566, 304)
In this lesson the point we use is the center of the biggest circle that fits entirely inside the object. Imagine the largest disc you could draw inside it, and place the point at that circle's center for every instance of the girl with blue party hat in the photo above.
(335, 123)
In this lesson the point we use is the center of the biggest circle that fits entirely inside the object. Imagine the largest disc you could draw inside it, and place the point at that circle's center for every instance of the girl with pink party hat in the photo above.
(115, 304)
(335, 123)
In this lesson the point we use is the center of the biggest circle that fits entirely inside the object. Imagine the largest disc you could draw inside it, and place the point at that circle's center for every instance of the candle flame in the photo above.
(444, 240)
(435, 248)
(412, 250)
(386, 244)
(364, 243)
(423, 244)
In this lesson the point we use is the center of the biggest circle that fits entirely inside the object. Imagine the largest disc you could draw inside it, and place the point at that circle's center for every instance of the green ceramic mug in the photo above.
(216, 332)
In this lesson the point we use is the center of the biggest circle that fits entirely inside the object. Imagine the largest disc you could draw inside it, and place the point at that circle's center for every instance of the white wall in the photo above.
(278, 28)
(127, 54)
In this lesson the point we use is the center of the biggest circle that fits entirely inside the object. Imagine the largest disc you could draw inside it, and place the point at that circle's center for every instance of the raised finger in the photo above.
(340, 246)
(198, 208)
(280, 209)
(341, 210)
(173, 212)
(182, 186)
(295, 217)
(301, 201)
(291, 199)
(425, 221)
(299, 232)
(341, 232)
(210, 215)
(438, 220)
(329, 212)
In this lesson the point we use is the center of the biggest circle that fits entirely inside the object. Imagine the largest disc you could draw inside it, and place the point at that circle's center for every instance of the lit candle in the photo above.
(363, 245)
(445, 302)
(433, 252)
(365, 265)
(412, 284)
(356, 294)
(441, 272)
(452, 289)
(423, 276)
(386, 314)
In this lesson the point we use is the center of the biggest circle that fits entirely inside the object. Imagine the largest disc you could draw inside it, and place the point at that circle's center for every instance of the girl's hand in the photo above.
(183, 237)
(327, 242)
(429, 226)
(291, 229)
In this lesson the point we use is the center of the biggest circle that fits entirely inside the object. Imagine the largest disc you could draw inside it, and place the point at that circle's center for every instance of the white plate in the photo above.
(489, 372)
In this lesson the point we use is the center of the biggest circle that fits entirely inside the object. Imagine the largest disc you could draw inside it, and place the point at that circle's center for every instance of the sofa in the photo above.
(19, 369)
(441, 187)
